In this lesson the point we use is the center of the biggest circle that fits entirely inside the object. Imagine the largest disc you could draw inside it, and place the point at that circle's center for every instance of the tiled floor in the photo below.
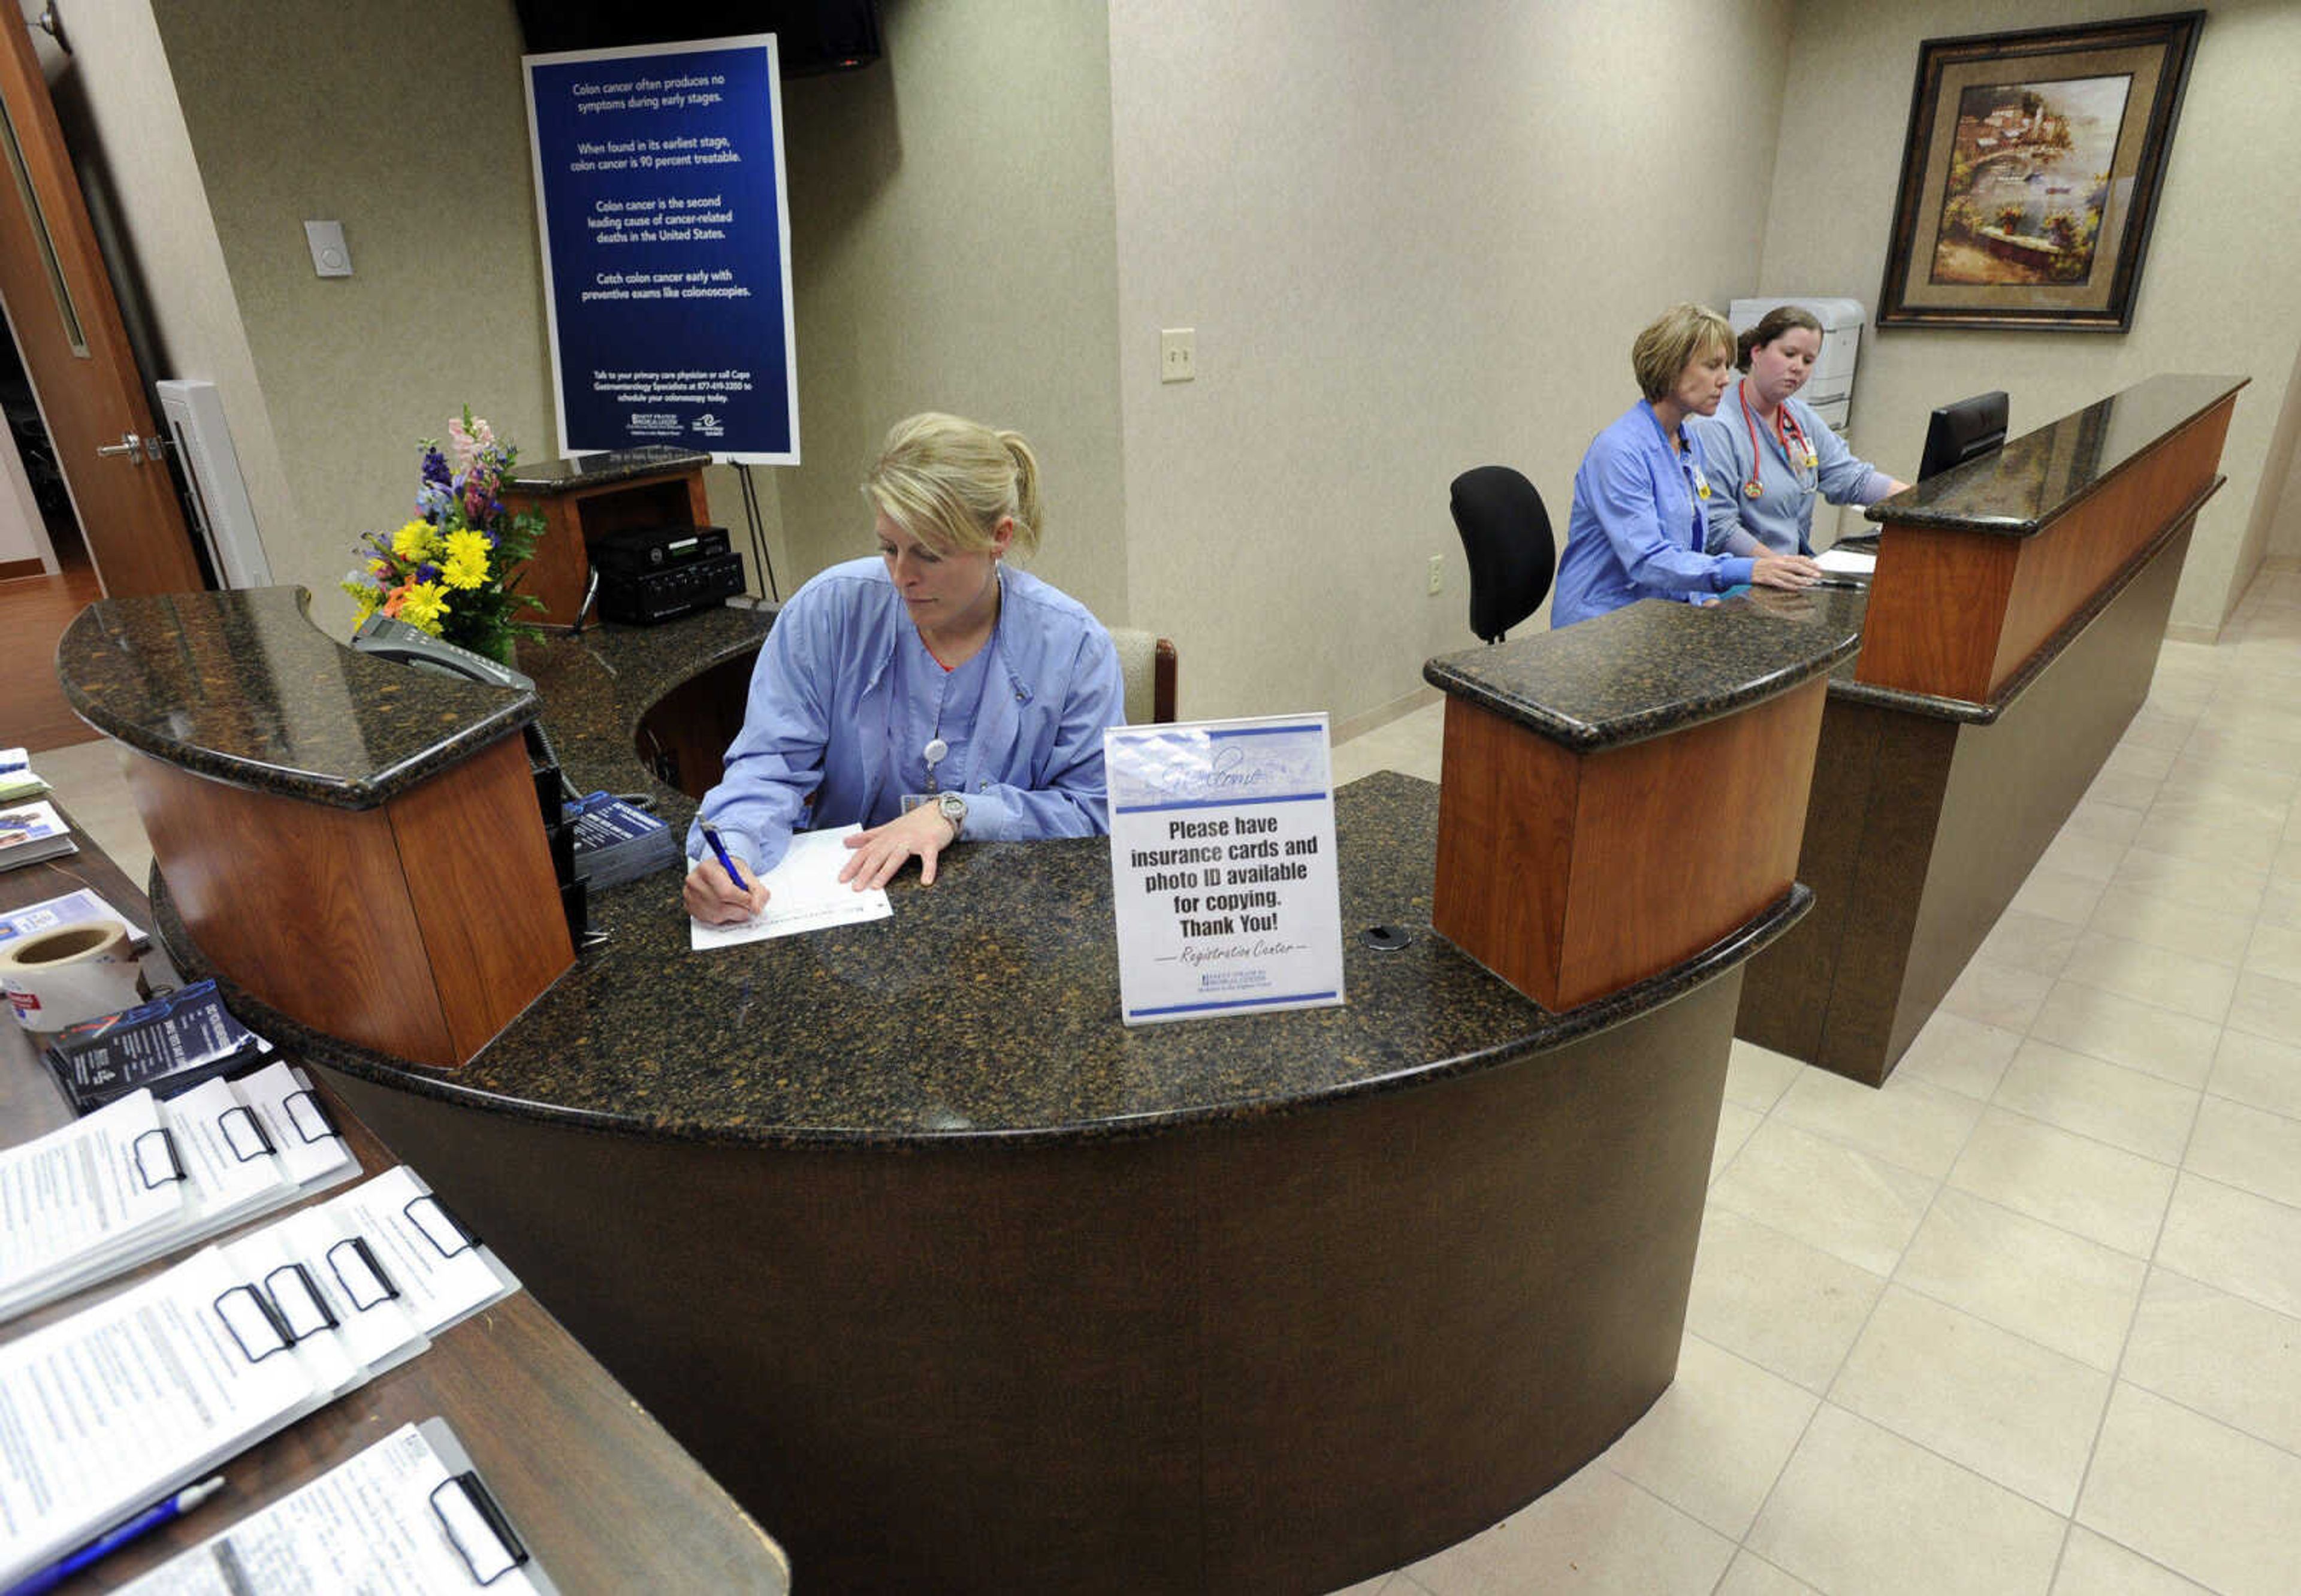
(2028, 1320)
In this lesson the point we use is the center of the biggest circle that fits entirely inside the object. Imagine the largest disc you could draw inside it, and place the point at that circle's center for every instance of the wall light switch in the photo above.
(331, 255)
(1178, 354)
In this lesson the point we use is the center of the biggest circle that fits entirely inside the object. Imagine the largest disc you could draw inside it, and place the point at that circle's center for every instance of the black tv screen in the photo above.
(1960, 432)
(811, 36)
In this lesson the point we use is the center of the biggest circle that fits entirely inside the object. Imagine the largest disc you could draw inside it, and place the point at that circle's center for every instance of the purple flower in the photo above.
(427, 572)
(435, 467)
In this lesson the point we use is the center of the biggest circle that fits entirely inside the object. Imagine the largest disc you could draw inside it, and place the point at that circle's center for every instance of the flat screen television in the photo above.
(1959, 432)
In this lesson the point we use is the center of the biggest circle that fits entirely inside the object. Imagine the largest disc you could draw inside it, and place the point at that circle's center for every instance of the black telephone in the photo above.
(391, 639)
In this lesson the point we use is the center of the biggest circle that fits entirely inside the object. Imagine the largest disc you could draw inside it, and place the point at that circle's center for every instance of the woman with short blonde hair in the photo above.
(1637, 530)
(929, 694)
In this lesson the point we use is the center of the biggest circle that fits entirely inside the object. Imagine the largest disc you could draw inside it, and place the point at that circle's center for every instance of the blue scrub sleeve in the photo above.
(1071, 799)
(1623, 501)
(775, 762)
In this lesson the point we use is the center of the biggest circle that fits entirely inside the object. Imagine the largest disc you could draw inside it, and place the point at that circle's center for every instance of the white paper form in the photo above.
(380, 1524)
(228, 1154)
(1846, 562)
(804, 893)
(442, 1274)
(267, 1261)
(81, 1195)
(104, 1413)
(374, 1323)
(311, 1148)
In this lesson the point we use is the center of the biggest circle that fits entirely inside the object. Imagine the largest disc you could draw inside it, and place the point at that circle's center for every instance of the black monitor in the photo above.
(1960, 431)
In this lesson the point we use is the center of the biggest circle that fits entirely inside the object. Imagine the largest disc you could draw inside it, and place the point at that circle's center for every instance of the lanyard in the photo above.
(1785, 428)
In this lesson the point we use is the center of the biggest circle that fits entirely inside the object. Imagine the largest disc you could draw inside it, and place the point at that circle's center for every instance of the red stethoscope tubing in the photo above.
(1785, 428)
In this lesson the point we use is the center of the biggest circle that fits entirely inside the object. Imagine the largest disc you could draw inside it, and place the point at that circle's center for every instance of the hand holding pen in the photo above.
(718, 891)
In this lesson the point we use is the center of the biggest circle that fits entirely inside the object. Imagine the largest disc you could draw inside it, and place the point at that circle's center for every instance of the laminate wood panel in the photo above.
(1936, 605)
(479, 875)
(1507, 801)
(307, 905)
(562, 566)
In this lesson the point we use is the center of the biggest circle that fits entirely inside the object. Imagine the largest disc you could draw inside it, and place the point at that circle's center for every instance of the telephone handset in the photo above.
(391, 639)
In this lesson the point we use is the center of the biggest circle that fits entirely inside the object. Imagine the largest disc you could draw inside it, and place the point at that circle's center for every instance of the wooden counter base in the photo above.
(1920, 832)
(1278, 1355)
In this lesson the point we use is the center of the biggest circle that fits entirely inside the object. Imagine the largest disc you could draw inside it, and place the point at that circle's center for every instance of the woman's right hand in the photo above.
(1791, 571)
(711, 897)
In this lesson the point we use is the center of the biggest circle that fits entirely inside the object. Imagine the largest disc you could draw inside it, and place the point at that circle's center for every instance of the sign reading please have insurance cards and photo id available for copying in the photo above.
(1222, 866)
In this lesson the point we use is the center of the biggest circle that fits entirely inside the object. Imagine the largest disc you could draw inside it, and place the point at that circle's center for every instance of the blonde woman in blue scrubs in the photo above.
(1637, 530)
(1771, 457)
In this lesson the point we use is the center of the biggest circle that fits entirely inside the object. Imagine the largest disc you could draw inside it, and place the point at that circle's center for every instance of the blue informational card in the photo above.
(667, 247)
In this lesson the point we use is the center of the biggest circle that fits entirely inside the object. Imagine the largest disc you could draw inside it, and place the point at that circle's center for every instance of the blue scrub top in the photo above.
(1638, 530)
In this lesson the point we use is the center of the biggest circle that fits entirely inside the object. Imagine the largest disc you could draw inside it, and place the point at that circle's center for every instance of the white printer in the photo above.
(1830, 390)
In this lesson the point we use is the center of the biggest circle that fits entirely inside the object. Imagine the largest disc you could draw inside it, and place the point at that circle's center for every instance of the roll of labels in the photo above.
(72, 973)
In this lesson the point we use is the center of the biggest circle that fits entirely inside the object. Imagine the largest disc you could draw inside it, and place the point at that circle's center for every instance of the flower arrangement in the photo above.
(445, 572)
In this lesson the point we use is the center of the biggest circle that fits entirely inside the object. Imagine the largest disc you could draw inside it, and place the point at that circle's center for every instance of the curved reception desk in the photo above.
(956, 1283)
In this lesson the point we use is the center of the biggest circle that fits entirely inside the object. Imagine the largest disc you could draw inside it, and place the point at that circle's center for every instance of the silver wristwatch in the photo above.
(953, 807)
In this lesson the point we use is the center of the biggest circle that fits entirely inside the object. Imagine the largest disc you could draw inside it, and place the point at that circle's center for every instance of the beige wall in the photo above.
(406, 123)
(2219, 292)
(1412, 238)
(953, 249)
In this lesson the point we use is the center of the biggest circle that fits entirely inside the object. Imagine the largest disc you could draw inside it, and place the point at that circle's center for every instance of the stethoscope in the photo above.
(1788, 431)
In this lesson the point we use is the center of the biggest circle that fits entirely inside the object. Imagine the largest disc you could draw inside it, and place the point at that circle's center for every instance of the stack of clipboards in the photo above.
(143, 1393)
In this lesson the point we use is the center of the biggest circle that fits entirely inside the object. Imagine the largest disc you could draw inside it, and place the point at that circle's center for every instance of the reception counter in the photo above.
(2010, 631)
(958, 1283)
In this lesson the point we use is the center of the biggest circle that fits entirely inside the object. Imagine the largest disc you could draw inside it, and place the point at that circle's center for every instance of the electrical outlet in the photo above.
(1437, 573)
(1178, 354)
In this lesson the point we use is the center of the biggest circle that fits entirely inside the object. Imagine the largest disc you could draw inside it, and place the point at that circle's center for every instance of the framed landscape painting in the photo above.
(2030, 173)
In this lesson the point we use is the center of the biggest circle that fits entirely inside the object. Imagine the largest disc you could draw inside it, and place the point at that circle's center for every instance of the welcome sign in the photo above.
(667, 247)
(1222, 866)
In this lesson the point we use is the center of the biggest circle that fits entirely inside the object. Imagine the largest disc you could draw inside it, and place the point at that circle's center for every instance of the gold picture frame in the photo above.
(2030, 175)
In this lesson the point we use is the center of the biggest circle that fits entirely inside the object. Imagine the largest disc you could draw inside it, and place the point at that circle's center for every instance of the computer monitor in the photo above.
(1960, 431)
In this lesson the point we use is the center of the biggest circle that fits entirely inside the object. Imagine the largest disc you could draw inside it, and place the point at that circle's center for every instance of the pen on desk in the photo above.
(726, 863)
(1838, 581)
(112, 1541)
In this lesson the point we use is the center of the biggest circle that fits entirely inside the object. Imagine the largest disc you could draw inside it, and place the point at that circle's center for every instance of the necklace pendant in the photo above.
(1752, 489)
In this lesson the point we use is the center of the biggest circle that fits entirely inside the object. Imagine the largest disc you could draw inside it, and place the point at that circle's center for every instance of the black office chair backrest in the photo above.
(1506, 534)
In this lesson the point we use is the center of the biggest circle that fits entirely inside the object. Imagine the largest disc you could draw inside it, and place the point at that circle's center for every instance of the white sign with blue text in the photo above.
(1222, 868)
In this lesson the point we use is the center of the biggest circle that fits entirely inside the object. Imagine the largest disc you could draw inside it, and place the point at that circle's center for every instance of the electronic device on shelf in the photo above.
(1962, 431)
(648, 574)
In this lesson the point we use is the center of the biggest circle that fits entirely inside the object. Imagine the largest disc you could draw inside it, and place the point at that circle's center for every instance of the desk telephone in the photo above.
(388, 639)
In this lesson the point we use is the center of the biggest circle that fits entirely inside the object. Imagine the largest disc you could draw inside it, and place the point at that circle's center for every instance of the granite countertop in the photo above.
(241, 686)
(1656, 666)
(2038, 475)
(552, 477)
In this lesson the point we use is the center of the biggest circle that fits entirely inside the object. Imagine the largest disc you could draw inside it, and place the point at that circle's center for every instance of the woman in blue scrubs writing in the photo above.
(1770, 455)
(1638, 529)
(932, 693)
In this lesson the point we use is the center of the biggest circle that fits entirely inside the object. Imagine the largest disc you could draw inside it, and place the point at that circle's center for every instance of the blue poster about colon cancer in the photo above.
(667, 247)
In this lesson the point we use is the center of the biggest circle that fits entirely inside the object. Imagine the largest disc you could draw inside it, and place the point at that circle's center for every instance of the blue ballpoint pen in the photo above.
(112, 1541)
(711, 835)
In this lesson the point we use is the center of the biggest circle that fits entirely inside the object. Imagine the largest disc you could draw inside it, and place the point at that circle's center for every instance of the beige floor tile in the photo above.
(1735, 1123)
(1773, 1300)
(1381, 1584)
(1909, 1123)
(2221, 887)
(1959, 1054)
(2133, 759)
(2193, 777)
(2058, 895)
(2094, 1567)
(1849, 1204)
(2267, 1007)
(1859, 1511)
(2021, 1275)
(2286, 864)
(2004, 1407)
(2243, 747)
(2194, 987)
(1756, 1076)
(2212, 1504)
(2234, 1239)
(2126, 1031)
(2256, 1070)
(2167, 922)
(2100, 1193)
(2102, 823)
(2281, 903)
(2105, 1101)
(2152, 728)
(2123, 791)
(2227, 1359)
(2090, 858)
(1751, 1574)
(2275, 952)
(1716, 1442)
(2026, 942)
(2221, 809)
(2248, 1148)
(1996, 996)
(1595, 1533)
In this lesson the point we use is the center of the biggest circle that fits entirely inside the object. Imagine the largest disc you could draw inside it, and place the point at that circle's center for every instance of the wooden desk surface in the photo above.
(604, 1498)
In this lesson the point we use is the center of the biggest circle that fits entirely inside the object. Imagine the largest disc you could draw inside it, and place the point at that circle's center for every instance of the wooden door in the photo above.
(58, 296)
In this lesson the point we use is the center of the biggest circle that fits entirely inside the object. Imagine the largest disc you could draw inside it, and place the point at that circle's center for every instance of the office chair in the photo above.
(1506, 534)
(1146, 661)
